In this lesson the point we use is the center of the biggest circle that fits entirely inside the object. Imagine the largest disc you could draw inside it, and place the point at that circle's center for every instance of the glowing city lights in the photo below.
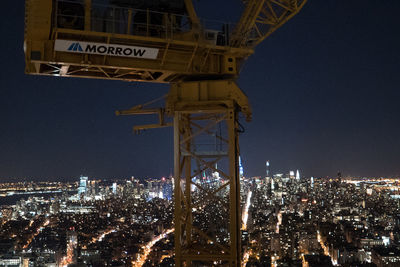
(147, 248)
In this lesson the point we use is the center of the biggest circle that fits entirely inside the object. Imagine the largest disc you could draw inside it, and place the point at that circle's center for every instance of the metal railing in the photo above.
(124, 20)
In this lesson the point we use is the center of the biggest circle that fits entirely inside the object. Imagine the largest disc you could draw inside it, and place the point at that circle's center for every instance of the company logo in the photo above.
(75, 47)
(105, 49)
(115, 50)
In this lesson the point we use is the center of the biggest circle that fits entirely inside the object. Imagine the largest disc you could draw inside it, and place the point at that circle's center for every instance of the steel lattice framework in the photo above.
(261, 18)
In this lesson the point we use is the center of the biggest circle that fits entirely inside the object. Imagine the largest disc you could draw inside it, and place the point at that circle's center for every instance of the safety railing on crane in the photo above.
(124, 20)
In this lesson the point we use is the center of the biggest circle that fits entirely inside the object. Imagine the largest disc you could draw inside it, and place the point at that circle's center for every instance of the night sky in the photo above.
(324, 91)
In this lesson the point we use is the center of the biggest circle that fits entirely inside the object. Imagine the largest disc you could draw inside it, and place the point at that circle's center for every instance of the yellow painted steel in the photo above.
(198, 108)
(184, 54)
(261, 18)
(200, 63)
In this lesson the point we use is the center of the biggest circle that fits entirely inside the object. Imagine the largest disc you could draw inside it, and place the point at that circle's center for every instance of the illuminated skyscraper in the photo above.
(298, 175)
(267, 168)
(82, 185)
(114, 188)
(167, 188)
(240, 168)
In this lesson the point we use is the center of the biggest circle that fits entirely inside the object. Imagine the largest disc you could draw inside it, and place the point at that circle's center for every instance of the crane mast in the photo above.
(165, 42)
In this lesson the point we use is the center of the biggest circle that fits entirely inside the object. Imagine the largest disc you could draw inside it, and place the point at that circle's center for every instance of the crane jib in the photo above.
(105, 49)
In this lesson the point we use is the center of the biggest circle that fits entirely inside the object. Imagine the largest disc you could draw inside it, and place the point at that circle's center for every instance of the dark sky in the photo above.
(324, 91)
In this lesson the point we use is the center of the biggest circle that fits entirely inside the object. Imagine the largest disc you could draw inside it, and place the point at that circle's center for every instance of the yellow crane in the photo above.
(163, 41)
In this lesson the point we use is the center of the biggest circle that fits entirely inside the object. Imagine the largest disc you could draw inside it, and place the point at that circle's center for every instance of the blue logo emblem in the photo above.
(75, 47)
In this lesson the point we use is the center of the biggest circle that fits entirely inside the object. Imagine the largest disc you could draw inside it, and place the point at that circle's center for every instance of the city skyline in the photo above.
(323, 91)
(285, 221)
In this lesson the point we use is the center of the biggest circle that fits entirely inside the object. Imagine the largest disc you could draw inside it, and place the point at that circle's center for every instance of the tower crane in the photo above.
(162, 41)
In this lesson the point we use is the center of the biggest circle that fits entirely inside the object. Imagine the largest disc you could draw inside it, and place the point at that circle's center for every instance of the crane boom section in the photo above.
(261, 18)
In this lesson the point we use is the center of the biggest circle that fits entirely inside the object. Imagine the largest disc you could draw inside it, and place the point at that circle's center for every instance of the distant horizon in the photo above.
(15, 180)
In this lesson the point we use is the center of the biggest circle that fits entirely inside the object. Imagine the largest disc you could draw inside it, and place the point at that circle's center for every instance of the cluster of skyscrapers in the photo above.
(287, 220)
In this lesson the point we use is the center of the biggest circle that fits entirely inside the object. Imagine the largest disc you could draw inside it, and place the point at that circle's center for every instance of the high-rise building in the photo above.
(96, 188)
(240, 168)
(83, 181)
(167, 188)
(267, 174)
(298, 175)
(114, 188)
